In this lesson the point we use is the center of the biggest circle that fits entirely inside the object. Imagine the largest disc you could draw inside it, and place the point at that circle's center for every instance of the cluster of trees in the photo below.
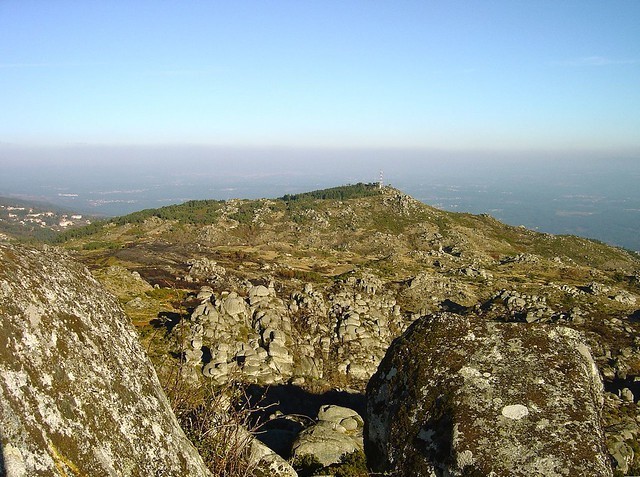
(337, 193)
(191, 212)
(27, 233)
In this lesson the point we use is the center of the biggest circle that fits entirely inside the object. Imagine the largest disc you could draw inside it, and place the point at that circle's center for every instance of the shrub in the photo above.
(217, 421)
(306, 465)
(352, 465)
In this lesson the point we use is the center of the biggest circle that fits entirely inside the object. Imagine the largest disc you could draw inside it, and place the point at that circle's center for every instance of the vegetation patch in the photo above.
(350, 465)
(101, 246)
(217, 421)
(345, 192)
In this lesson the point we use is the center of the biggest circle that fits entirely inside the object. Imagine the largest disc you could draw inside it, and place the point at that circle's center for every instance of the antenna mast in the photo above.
(380, 181)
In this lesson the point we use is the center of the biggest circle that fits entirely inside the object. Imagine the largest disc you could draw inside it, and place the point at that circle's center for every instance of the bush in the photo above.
(352, 465)
(217, 421)
(306, 465)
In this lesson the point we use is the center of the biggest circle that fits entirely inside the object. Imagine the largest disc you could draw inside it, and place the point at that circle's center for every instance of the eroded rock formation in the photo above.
(337, 432)
(267, 339)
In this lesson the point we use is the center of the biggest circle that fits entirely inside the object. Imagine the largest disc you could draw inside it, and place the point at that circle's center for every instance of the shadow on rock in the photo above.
(167, 320)
(3, 470)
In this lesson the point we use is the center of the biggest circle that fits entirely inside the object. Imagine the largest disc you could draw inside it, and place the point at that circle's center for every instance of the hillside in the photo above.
(309, 290)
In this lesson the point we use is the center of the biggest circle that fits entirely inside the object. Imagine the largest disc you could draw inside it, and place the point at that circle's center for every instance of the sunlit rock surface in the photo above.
(462, 396)
(77, 393)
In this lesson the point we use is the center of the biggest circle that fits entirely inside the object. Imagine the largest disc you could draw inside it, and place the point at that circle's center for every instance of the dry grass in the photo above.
(217, 420)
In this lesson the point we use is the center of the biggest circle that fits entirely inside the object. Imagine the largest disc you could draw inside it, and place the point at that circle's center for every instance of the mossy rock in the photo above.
(462, 396)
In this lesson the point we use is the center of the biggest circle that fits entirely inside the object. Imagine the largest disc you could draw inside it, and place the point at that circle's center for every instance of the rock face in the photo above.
(458, 396)
(77, 393)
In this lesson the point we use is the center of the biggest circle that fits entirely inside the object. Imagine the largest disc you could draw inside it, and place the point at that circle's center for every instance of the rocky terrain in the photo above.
(305, 294)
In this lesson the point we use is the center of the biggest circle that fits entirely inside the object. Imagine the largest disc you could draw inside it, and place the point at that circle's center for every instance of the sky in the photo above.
(502, 75)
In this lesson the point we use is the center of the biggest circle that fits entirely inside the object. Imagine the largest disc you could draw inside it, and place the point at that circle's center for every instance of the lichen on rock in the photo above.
(462, 396)
(78, 395)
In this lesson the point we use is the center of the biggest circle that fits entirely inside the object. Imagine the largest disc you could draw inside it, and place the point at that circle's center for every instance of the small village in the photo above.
(29, 217)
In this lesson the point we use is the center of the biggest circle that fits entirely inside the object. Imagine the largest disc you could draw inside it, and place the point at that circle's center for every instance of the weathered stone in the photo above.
(337, 432)
(627, 395)
(323, 442)
(258, 291)
(269, 462)
(333, 413)
(193, 356)
(350, 423)
(622, 453)
(360, 371)
(234, 305)
(77, 394)
(307, 366)
(625, 298)
(202, 267)
(456, 395)
(205, 293)
(278, 351)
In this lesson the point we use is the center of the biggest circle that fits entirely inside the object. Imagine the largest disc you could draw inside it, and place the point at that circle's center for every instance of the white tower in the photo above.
(380, 181)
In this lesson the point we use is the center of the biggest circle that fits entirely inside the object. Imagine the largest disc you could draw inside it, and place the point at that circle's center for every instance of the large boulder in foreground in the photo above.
(77, 394)
(456, 396)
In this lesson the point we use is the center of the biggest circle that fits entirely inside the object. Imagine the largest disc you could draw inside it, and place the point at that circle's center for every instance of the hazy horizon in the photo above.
(592, 195)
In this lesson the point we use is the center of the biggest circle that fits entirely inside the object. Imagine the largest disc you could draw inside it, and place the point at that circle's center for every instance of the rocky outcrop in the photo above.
(462, 396)
(202, 268)
(265, 339)
(244, 337)
(523, 307)
(365, 319)
(78, 395)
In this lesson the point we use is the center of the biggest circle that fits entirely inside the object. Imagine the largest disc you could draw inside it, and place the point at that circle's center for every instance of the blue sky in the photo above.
(473, 75)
